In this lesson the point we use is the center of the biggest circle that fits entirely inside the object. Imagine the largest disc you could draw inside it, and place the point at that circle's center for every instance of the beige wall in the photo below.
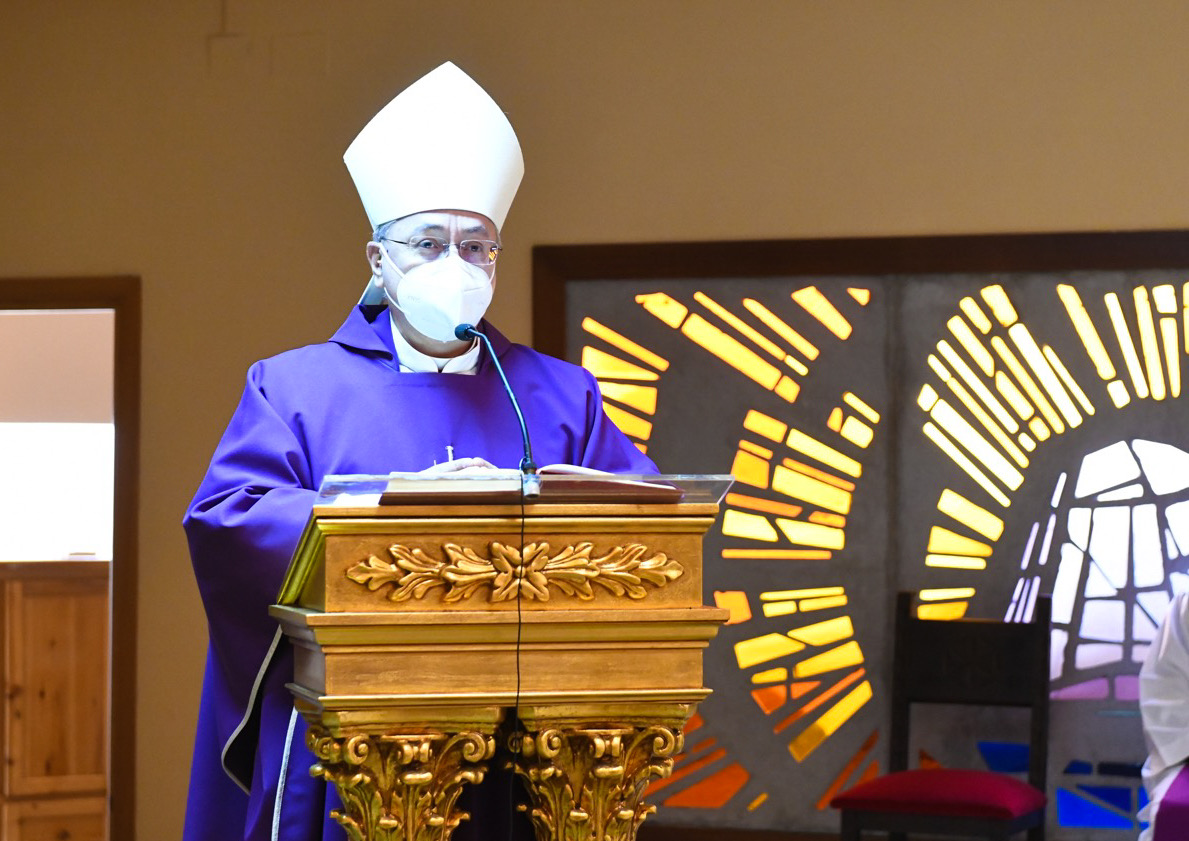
(198, 145)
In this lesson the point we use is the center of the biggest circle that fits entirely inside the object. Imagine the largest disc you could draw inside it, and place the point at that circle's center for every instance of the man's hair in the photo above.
(381, 230)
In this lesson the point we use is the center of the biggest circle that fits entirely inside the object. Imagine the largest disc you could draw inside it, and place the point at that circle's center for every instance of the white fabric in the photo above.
(1164, 705)
(441, 144)
(415, 362)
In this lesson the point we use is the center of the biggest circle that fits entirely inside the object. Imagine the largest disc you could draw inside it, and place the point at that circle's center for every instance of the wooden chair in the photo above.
(969, 662)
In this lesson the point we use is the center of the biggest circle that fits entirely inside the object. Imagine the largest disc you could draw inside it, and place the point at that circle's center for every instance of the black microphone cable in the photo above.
(530, 486)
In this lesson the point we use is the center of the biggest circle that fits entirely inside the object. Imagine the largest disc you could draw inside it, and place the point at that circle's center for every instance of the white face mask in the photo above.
(437, 296)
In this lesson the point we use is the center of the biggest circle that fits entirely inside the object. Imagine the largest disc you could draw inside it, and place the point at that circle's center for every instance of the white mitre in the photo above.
(441, 144)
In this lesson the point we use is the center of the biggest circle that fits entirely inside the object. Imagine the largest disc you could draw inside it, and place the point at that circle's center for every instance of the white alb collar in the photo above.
(414, 361)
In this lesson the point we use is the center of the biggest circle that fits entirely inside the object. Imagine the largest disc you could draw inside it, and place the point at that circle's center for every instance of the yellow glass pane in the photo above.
(750, 470)
(972, 344)
(824, 633)
(752, 652)
(972, 516)
(729, 350)
(796, 364)
(811, 534)
(771, 676)
(1049, 380)
(822, 603)
(863, 296)
(859, 406)
(806, 488)
(1067, 378)
(1165, 299)
(828, 478)
(955, 562)
(736, 602)
(1038, 428)
(1030, 387)
(628, 423)
(1118, 393)
(827, 519)
(927, 397)
(1172, 356)
(669, 311)
(739, 324)
(804, 444)
(946, 542)
(857, 432)
(625, 344)
(815, 304)
(749, 526)
(787, 389)
(1147, 342)
(756, 449)
(777, 554)
(1001, 307)
(847, 654)
(605, 366)
(976, 409)
(938, 437)
(960, 430)
(764, 425)
(1086, 330)
(942, 610)
(1138, 381)
(768, 506)
(1014, 397)
(810, 738)
(976, 385)
(758, 801)
(834, 422)
(975, 313)
(778, 326)
(642, 398)
(809, 593)
(779, 608)
(947, 593)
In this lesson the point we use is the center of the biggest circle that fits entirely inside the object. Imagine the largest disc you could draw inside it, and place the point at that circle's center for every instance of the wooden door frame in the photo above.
(122, 295)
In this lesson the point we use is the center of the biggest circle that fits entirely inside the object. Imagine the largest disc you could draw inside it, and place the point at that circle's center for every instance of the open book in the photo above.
(552, 483)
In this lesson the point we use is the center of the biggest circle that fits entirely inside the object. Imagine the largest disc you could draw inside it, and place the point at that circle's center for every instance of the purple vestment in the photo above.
(334, 408)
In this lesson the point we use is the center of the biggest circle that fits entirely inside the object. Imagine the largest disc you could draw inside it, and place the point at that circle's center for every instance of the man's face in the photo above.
(452, 226)
(409, 240)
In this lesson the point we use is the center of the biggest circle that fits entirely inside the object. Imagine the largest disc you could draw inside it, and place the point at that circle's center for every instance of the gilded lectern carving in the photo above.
(426, 614)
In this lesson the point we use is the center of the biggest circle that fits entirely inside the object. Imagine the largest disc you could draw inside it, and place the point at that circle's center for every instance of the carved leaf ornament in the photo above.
(511, 574)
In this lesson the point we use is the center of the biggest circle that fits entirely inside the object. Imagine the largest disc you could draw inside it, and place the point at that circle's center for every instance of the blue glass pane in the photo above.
(1074, 810)
(1079, 766)
(1117, 796)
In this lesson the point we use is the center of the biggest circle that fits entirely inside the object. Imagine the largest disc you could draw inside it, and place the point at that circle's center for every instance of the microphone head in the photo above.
(464, 331)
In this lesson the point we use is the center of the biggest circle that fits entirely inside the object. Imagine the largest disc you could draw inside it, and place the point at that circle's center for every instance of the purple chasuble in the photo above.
(341, 407)
(1172, 814)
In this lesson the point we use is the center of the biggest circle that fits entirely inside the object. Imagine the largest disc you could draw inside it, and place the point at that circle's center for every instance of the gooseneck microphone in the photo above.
(528, 467)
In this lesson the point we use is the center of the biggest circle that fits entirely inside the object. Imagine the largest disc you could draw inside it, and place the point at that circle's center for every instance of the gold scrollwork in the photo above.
(511, 574)
(400, 788)
(586, 784)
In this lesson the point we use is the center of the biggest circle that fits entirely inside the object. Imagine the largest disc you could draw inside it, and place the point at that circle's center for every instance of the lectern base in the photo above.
(585, 776)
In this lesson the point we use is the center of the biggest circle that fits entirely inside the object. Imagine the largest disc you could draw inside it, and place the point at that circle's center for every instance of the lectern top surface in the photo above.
(361, 490)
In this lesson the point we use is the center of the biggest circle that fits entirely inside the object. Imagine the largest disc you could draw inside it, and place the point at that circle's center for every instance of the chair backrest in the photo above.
(975, 662)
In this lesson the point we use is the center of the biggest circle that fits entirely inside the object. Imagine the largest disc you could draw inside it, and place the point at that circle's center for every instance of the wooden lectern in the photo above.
(431, 618)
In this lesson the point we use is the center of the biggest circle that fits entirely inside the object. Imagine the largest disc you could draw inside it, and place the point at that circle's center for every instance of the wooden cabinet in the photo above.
(54, 632)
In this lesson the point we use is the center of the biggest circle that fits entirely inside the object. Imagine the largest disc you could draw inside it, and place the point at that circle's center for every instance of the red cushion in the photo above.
(944, 791)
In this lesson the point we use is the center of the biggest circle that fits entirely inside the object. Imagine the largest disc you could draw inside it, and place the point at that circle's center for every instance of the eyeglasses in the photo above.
(480, 252)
